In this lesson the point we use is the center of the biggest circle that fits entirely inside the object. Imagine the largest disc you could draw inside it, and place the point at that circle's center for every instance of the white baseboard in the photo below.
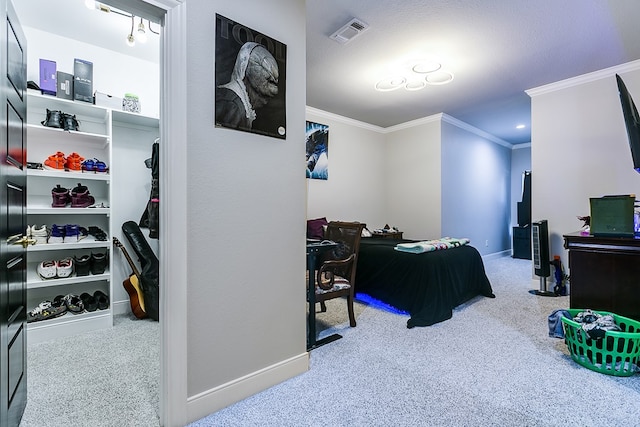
(496, 255)
(215, 399)
(121, 307)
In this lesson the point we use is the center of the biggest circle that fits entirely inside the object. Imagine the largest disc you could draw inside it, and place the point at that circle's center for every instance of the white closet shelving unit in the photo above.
(94, 139)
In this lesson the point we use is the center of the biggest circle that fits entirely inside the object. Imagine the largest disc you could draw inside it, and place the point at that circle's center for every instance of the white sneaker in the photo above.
(64, 267)
(47, 269)
(39, 234)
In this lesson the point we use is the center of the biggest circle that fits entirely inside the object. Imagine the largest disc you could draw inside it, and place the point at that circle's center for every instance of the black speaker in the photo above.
(540, 253)
(524, 207)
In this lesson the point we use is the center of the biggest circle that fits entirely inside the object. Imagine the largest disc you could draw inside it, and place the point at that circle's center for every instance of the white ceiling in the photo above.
(495, 48)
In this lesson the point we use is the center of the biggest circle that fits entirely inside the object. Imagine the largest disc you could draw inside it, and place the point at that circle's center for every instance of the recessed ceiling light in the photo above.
(390, 83)
(439, 77)
(520, 126)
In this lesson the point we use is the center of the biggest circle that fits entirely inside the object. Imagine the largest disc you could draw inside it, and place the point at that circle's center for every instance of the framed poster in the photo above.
(250, 80)
(317, 142)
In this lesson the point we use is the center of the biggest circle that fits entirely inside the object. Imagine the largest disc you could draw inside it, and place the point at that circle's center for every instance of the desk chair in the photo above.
(337, 270)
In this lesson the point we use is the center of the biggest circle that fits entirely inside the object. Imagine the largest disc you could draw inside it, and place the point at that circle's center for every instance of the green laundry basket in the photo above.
(617, 353)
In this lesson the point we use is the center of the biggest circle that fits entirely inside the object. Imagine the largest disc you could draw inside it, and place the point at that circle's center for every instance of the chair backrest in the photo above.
(347, 235)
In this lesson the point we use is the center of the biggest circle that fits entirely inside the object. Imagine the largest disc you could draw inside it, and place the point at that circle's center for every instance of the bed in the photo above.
(426, 285)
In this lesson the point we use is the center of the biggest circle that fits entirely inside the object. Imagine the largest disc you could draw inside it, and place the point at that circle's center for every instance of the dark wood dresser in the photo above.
(604, 273)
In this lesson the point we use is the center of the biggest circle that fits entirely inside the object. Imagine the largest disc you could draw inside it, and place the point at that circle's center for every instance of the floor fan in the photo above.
(540, 253)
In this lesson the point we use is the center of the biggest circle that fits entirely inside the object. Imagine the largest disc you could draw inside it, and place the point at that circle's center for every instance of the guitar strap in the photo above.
(150, 217)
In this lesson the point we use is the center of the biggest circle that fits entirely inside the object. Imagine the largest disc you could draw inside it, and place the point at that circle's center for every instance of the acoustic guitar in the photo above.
(132, 285)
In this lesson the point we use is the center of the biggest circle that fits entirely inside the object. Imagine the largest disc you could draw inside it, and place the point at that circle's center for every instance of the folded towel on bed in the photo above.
(431, 245)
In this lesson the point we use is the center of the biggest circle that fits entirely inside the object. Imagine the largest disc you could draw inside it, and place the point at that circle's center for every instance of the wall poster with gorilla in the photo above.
(250, 80)
(317, 142)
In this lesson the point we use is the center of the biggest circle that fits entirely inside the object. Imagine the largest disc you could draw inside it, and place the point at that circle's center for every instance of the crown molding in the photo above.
(342, 119)
(466, 126)
(584, 78)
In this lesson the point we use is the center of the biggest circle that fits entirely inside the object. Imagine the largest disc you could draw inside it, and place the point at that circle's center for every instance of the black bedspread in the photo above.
(427, 286)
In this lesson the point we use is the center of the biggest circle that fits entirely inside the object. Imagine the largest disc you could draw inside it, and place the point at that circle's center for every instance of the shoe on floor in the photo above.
(47, 269)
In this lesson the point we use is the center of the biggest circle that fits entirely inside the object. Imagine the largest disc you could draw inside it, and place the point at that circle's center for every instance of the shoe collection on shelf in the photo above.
(70, 195)
(62, 304)
(69, 255)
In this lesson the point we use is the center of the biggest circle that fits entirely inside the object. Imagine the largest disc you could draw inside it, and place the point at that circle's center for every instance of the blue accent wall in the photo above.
(476, 189)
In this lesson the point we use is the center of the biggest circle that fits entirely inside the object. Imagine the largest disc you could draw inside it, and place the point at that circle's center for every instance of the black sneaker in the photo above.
(83, 266)
(102, 300)
(98, 263)
(54, 119)
(46, 310)
(89, 301)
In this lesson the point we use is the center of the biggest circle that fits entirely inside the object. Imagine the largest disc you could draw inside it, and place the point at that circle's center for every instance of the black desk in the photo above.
(313, 250)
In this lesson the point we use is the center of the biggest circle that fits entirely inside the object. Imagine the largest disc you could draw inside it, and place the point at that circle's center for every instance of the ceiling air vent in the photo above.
(347, 33)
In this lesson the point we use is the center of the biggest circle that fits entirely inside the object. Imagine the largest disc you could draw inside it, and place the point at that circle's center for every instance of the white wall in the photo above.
(113, 73)
(356, 188)
(579, 148)
(246, 205)
(413, 175)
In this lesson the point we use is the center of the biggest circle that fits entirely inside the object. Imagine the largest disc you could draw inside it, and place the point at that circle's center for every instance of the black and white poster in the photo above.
(250, 80)
(317, 142)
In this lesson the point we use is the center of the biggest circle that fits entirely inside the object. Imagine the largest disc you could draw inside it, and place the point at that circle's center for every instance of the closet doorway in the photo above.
(150, 16)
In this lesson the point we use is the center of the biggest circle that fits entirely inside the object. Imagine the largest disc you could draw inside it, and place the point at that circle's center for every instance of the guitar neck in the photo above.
(126, 255)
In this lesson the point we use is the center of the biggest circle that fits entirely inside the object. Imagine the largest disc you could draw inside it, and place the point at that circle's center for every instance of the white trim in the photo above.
(173, 214)
(497, 255)
(421, 121)
(209, 401)
(346, 120)
(466, 126)
(519, 146)
(585, 78)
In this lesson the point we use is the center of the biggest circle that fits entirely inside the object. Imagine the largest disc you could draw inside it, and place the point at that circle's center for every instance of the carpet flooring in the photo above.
(491, 364)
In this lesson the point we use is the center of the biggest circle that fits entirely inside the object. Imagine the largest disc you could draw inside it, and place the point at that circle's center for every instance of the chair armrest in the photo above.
(328, 269)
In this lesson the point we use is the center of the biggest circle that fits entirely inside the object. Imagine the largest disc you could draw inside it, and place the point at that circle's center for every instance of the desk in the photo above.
(313, 250)
(604, 273)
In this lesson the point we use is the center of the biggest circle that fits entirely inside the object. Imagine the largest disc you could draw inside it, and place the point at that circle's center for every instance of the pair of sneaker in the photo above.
(99, 300)
(96, 263)
(60, 120)
(40, 235)
(60, 269)
(79, 197)
(94, 165)
(67, 233)
(74, 162)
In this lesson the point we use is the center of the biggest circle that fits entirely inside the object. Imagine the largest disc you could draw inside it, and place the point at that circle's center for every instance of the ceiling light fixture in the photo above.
(90, 4)
(439, 77)
(521, 126)
(142, 35)
(131, 41)
(390, 83)
(416, 77)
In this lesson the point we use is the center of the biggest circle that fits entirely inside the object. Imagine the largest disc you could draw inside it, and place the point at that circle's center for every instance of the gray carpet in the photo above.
(492, 364)
(104, 378)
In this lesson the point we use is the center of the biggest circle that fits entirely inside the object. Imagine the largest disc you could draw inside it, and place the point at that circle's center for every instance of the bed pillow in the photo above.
(316, 227)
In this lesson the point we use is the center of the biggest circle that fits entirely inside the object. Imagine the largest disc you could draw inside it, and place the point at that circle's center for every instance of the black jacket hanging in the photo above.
(151, 216)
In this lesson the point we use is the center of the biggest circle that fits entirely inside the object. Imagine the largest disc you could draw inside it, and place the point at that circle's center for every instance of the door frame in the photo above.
(173, 233)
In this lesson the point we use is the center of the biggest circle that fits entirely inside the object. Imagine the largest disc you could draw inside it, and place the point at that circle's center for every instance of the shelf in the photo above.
(39, 102)
(41, 205)
(61, 174)
(34, 281)
(88, 242)
(69, 325)
(40, 131)
(135, 119)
